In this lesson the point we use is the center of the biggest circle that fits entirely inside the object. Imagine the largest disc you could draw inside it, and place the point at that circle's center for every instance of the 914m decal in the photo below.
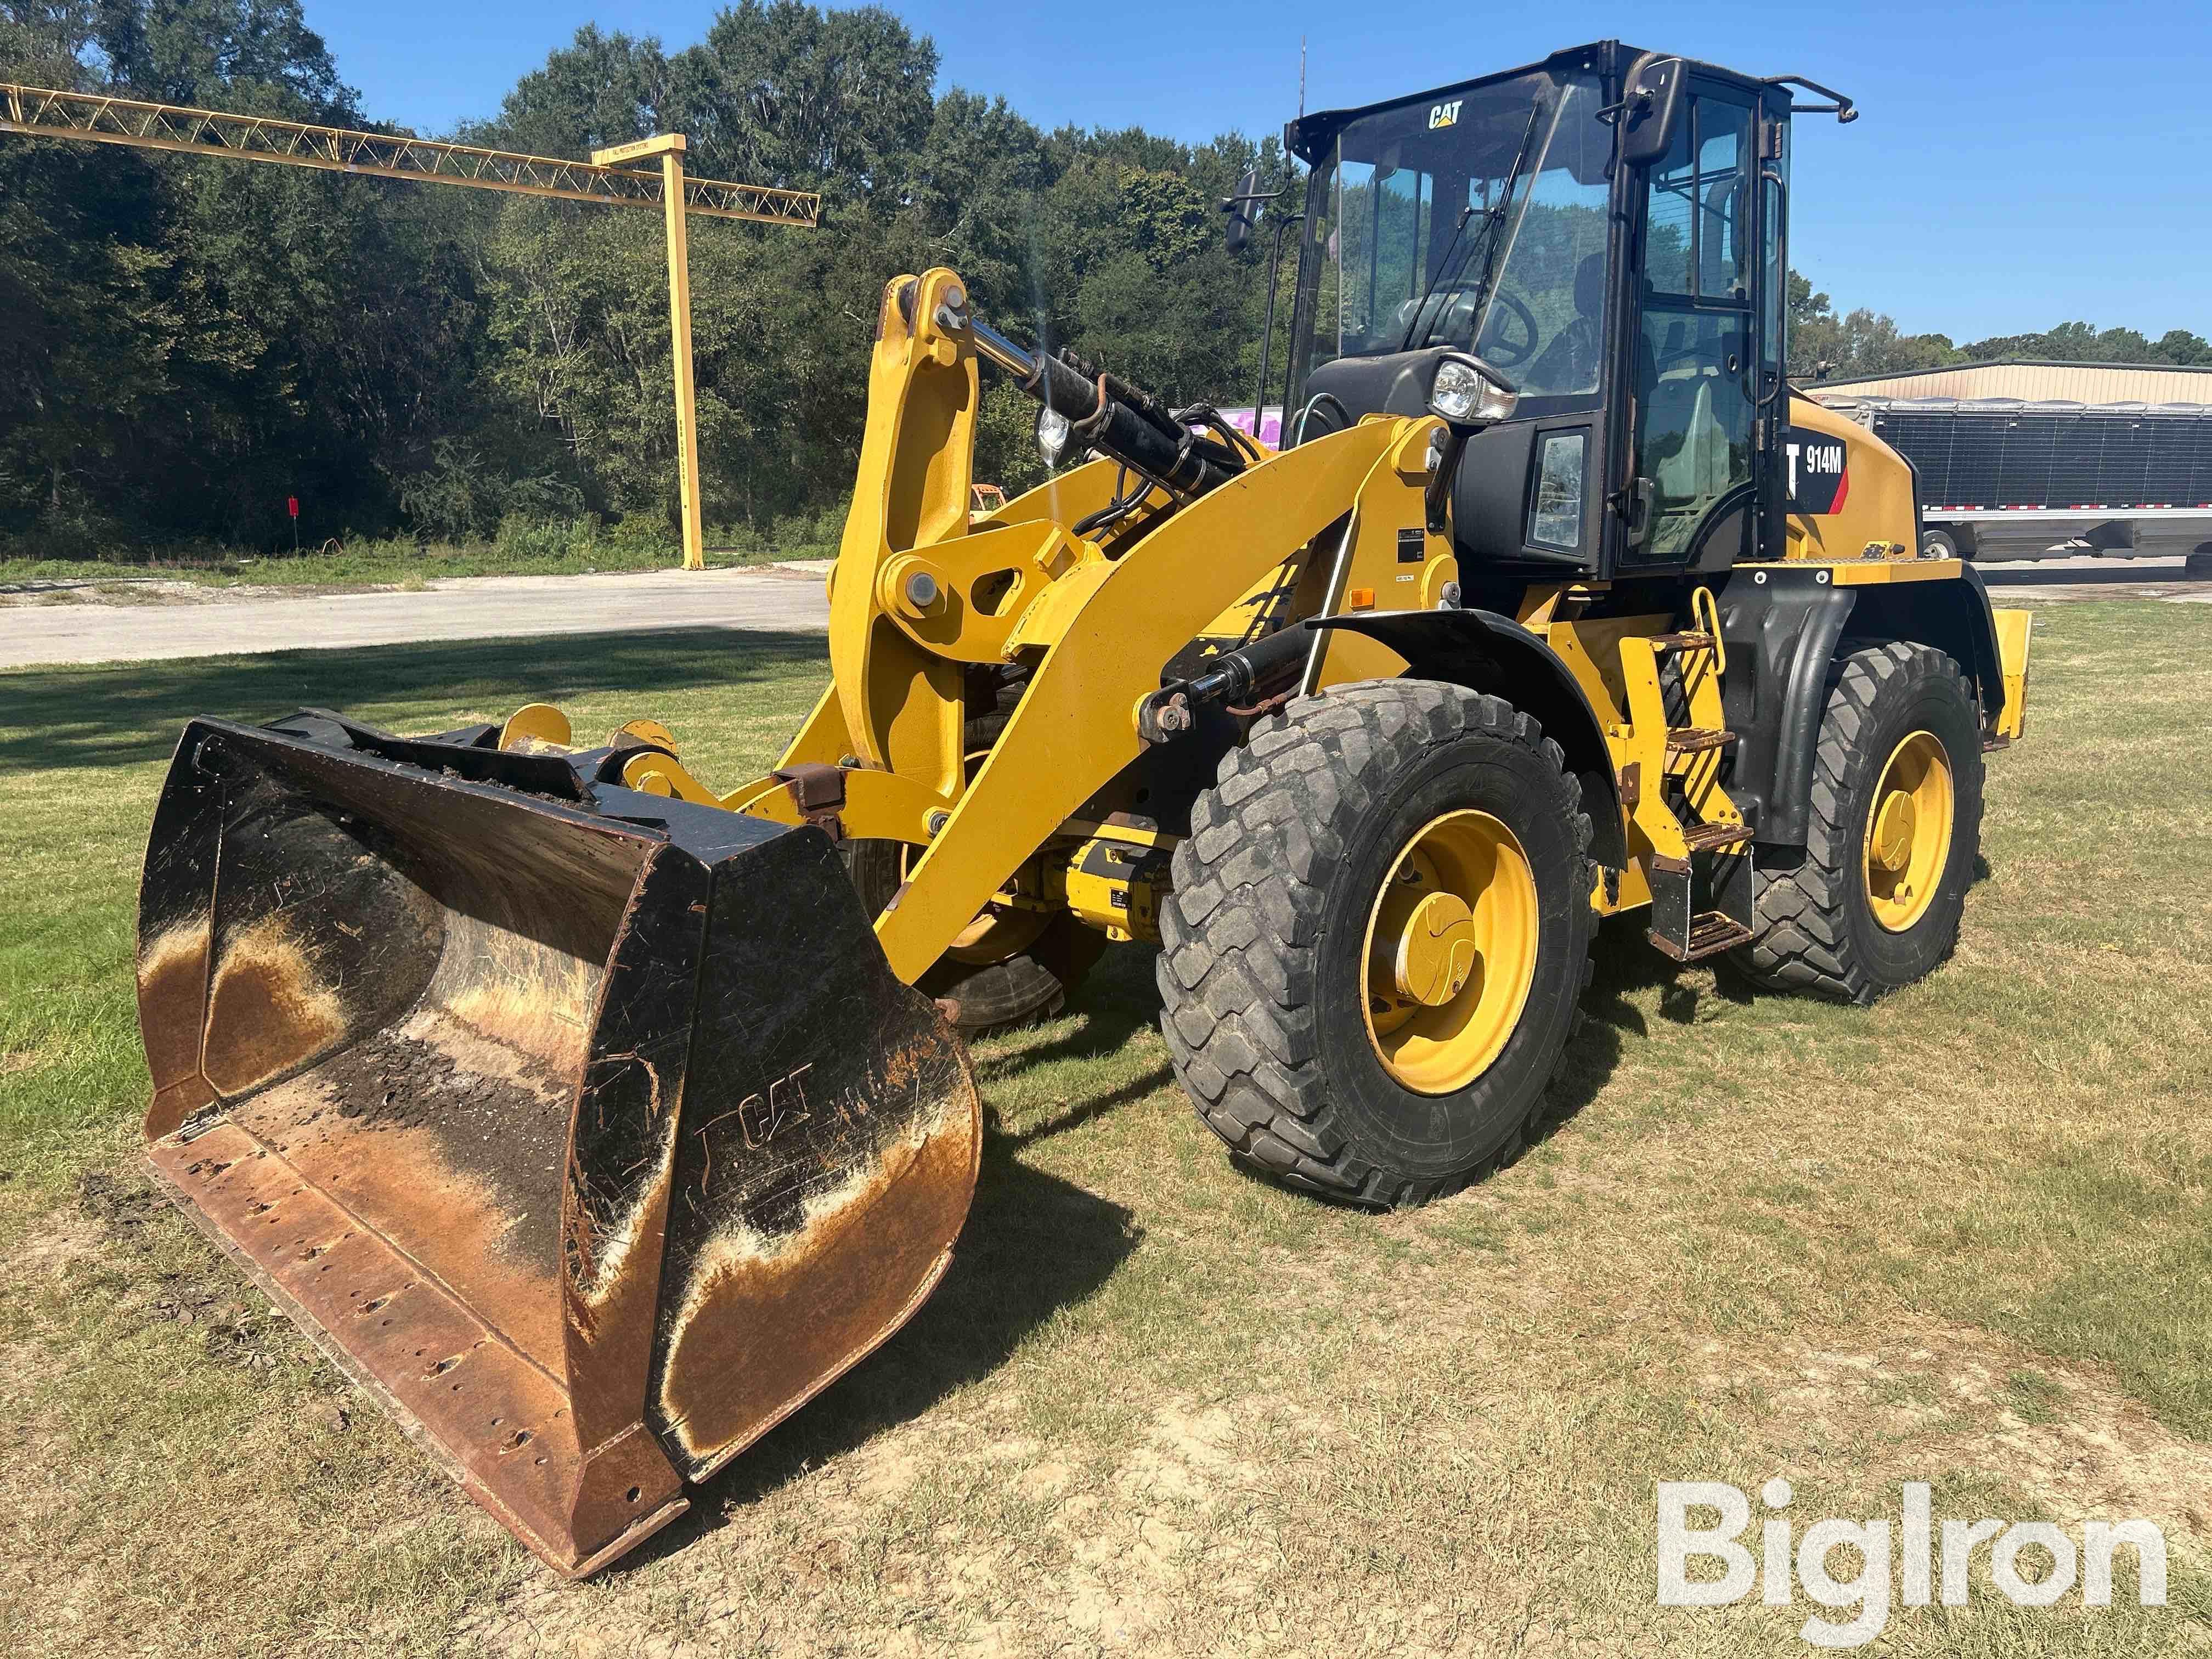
(1819, 482)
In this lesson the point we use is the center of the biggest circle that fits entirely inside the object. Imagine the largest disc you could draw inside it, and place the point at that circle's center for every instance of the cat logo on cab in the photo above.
(1445, 115)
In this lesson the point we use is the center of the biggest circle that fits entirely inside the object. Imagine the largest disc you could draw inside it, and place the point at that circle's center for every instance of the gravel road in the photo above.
(39, 628)
(42, 627)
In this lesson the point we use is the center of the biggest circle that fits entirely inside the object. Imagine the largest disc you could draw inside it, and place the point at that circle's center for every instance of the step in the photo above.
(1697, 740)
(1700, 838)
(1711, 933)
(1686, 641)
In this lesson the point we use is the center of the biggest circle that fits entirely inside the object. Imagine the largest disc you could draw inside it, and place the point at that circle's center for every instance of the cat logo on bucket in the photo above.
(1445, 115)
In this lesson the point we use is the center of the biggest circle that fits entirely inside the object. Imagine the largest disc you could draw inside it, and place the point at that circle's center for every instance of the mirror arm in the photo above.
(1842, 109)
(1267, 328)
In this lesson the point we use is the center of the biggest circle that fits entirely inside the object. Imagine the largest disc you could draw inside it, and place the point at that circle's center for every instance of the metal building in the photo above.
(2032, 382)
(2033, 460)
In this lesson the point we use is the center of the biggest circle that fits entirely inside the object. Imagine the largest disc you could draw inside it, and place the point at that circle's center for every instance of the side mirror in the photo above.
(1651, 112)
(1243, 209)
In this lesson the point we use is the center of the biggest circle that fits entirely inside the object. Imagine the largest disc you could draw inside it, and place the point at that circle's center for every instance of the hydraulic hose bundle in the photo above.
(1107, 415)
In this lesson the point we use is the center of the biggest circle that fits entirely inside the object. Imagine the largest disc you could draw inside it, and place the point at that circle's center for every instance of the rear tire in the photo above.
(1840, 923)
(1018, 989)
(1938, 544)
(1270, 1013)
(2198, 563)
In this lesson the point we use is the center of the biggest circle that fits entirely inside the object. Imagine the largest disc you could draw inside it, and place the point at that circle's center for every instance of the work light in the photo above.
(1467, 392)
(1055, 435)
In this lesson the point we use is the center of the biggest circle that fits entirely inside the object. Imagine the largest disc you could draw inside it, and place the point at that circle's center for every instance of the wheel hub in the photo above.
(1436, 951)
(1894, 824)
(1908, 833)
(1450, 952)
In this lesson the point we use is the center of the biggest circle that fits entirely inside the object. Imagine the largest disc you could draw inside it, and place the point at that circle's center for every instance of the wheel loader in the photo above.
(595, 1115)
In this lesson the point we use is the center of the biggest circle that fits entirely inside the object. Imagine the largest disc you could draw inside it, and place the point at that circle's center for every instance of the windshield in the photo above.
(1476, 222)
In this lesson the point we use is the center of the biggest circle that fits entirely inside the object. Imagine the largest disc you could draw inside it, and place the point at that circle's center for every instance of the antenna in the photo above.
(1302, 75)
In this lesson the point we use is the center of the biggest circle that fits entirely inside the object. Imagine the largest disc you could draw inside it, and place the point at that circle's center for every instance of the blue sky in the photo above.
(2014, 167)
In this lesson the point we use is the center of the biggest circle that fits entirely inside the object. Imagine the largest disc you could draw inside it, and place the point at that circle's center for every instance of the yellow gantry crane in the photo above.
(45, 113)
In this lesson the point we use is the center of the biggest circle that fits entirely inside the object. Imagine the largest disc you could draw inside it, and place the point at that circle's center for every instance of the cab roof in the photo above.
(1309, 136)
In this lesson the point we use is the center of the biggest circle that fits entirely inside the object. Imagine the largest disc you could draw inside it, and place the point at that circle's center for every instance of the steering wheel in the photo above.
(1499, 347)
(1508, 347)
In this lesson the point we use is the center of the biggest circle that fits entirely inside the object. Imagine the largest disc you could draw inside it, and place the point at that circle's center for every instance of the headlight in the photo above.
(1466, 394)
(1054, 434)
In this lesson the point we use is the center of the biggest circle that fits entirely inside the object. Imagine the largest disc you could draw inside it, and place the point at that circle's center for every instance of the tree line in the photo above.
(191, 342)
(1823, 345)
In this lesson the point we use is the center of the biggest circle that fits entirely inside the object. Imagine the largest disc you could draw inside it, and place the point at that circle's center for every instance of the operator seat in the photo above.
(1570, 363)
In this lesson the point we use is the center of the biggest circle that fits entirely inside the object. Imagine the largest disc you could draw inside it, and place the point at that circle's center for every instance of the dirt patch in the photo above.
(387, 1080)
(170, 1276)
(456, 1123)
(136, 591)
(1950, 1398)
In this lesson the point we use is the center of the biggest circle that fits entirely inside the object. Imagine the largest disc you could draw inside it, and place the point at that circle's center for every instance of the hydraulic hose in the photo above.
(1111, 418)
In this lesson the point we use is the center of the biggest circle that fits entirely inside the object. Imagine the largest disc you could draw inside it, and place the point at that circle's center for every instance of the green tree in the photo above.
(195, 51)
(1824, 346)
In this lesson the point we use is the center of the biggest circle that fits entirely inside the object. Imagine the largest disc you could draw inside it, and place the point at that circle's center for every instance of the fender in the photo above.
(1485, 651)
(1784, 629)
(1954, 616)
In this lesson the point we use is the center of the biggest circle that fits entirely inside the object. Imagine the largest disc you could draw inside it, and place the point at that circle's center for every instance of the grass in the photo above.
(1964, 1237)
(530, 550)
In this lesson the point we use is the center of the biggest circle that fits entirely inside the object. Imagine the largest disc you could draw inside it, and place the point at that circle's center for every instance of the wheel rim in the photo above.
(1908, 831)
(1450, 952)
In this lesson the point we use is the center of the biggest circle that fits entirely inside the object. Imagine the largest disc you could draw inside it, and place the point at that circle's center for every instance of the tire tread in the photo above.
(1240, 1027)
(1801, 940)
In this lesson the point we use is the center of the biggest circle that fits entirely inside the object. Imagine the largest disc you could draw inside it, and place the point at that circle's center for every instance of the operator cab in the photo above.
(1605, 231)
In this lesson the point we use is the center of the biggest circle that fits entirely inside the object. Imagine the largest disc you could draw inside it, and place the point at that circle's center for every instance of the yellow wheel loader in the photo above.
(595, 1116)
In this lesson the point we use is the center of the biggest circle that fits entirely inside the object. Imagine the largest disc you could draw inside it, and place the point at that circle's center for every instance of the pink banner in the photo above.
(1271, 423)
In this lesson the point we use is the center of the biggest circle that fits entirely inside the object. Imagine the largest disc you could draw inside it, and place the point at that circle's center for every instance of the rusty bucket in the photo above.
(587, 1129)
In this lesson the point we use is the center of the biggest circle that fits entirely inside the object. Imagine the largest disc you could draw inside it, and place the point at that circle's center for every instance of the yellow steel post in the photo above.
(668, 146)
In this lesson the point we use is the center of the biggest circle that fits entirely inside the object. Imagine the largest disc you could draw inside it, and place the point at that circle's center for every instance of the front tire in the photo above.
(1896, 822)
(1380, 930)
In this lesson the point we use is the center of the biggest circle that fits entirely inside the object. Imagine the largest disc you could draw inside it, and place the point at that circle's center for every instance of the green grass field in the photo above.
(393, 562)
(1964, 1237)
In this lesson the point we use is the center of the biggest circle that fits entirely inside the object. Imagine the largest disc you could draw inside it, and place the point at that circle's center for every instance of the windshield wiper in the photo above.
(1493, 216)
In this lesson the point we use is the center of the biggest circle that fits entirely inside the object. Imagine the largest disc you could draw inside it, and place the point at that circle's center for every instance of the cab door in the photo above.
(1694, 370)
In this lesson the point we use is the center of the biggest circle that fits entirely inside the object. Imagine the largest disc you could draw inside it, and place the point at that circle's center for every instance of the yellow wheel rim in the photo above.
(1908, 831)
(1450, 952)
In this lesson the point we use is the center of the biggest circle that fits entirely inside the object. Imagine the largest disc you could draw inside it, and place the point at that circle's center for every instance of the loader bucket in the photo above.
(588, 1129)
